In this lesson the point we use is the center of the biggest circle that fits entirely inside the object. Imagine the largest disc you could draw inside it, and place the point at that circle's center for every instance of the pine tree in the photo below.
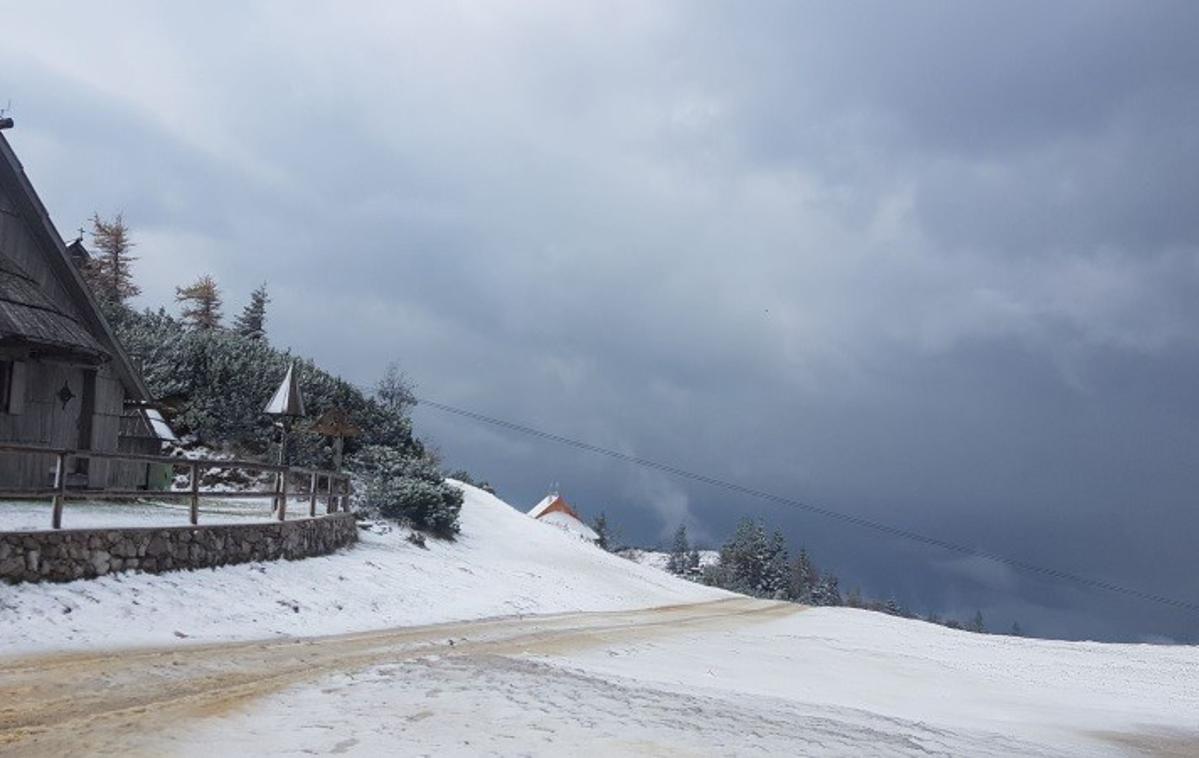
(108, 273)
(201, 303)
(251, 322)
(739, 569)
(854, 600)
(680, 547)
(752, 563)
(803, 578)
(827, 592)
(976, 624)
(776, 572)
(601, 528)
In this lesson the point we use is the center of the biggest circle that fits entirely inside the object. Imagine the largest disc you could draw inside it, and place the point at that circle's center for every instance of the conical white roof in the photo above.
(288, 400)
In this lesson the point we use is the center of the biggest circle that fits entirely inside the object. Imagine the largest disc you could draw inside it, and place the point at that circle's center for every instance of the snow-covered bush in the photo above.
(406, 489)
(216, 383)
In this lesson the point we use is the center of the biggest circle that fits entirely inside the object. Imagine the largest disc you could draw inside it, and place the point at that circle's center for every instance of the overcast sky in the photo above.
(935, 264)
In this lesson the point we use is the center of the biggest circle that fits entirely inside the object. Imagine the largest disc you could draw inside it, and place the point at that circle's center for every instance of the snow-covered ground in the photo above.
(660, 558)
(34, 515)
(734, 677)
(817, 682)
(503, 563)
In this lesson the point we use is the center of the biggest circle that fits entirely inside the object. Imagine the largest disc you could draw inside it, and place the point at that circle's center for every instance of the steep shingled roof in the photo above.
(29, 207)
(27, 316)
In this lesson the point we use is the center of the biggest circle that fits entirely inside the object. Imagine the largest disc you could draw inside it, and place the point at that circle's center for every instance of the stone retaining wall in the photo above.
(66, 554)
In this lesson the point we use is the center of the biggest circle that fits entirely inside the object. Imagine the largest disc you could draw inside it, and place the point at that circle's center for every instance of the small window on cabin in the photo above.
(6, 373)
(12, 387)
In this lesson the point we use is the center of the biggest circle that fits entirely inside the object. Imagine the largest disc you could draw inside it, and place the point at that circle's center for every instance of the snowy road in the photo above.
(727, 677)
(150, 701)
(550, 656)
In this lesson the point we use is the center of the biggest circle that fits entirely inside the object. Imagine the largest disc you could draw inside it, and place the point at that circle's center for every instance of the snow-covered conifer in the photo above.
(251, 322)
(677, 563)
(603, 532)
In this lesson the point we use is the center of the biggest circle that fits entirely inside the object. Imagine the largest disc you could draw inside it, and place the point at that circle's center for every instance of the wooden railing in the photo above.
(336, 495)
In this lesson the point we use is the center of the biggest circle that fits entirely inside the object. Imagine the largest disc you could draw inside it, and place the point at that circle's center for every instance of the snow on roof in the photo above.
(162, 430)
(545, 503)
(569, 523)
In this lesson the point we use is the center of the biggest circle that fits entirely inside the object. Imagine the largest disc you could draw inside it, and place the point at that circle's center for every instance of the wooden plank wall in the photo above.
(44, 420)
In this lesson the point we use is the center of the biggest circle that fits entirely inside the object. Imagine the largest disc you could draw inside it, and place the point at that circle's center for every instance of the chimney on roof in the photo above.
(6, 122)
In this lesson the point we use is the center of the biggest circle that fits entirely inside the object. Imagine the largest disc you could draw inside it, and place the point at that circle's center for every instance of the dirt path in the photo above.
(99, 704)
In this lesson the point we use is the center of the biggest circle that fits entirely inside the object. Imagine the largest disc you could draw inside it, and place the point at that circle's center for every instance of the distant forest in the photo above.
(758, 562)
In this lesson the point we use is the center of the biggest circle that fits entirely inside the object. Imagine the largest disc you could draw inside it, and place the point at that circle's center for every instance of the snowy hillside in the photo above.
(659, 559)
(503, 563)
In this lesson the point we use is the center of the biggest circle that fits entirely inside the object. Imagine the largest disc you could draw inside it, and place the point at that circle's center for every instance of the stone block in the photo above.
(100, 561)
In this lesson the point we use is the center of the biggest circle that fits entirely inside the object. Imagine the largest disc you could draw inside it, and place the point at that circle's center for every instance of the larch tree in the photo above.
(201, 303)
(251, 322)
(108, 273)
(395, 390)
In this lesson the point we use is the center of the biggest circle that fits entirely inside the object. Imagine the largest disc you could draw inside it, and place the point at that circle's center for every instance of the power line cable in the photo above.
(847, 518)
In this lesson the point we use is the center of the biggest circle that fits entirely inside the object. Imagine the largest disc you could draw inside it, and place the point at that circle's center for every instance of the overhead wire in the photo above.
(847, 518)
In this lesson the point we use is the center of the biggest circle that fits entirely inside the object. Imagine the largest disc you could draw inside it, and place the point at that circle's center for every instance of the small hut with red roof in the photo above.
(553, 509)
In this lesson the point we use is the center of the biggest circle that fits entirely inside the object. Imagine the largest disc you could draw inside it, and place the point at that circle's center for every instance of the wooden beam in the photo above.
(195, 494)
(60, 484)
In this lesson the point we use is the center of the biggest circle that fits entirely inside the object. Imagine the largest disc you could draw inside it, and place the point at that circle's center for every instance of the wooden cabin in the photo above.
(65, 381)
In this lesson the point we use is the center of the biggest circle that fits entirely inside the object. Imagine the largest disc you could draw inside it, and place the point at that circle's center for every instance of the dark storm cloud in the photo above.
(933, 264)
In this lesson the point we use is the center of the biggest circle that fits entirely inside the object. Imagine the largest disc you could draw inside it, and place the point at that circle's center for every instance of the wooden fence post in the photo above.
(283, 494)
(195, 498)
(60, 484)
(312, 495)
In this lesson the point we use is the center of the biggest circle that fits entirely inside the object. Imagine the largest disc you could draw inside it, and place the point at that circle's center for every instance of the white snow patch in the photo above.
(34, 515)
(570, 525)
(659, 558)
(503, 563)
